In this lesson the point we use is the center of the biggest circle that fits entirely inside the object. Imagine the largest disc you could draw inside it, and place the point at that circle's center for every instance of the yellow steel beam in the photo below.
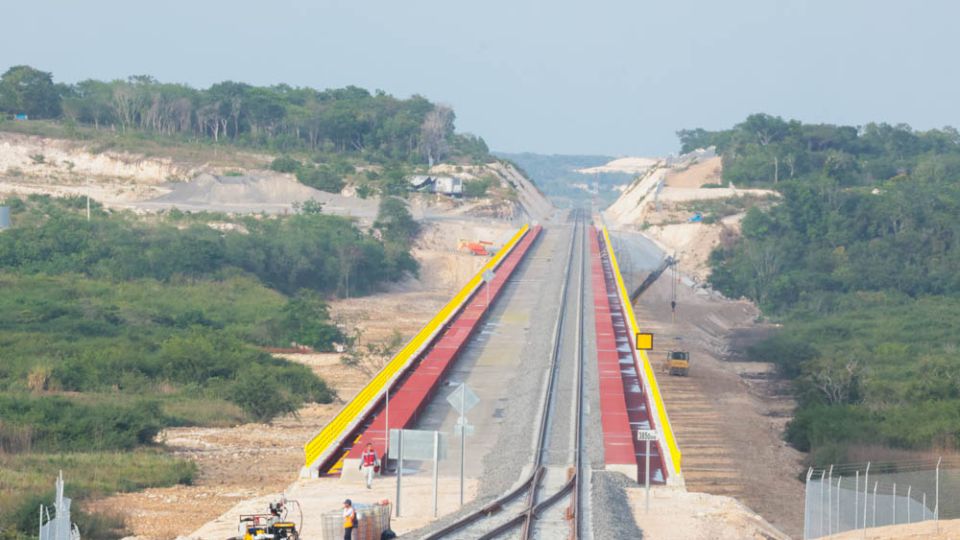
(346, 419)
(662, 420)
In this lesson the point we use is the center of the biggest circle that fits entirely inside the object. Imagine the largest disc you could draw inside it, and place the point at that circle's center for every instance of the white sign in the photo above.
(646, 434)
(417, 444)
(463, 426)
(488, 276)
(463, 399)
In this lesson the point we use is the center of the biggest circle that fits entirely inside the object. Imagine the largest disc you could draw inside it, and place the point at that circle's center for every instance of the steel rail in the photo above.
(530, 484)
(573, 484)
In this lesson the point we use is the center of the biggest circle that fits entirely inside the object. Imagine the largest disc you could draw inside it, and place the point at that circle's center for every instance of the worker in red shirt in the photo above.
(369, 464)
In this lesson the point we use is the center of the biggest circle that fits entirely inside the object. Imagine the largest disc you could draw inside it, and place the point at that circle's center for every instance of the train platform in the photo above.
(629, 395)
(414, 374)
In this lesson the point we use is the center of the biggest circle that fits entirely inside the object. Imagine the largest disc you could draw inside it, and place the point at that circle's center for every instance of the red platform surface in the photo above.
(414, 392)
(623, 405)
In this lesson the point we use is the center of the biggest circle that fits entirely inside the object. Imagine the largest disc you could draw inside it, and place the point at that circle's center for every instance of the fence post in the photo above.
(807, 522)
(823, 474)
(839, 478)
(866, 481)
(924, 518)
(894, 503)
(856, 500)
(875, 484)
(909, 503)
(936, 507)
(830, 501)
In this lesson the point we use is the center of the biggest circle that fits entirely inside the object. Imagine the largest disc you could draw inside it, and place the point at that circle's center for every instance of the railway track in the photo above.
(534, 509)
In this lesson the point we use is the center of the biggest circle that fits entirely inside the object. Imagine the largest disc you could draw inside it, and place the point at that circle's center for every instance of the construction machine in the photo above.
(479, 247)
(271, 526)
(678, 363)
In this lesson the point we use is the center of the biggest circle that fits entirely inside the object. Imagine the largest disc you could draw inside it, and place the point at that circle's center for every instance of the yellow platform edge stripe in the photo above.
(345, 420)
(662, 419)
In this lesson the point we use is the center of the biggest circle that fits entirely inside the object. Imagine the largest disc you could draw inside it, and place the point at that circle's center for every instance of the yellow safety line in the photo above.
(662, 420)
(336, 428)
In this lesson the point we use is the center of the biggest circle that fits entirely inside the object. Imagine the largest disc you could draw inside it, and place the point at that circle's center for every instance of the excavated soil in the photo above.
(676, 514)
(696, 175)
(728, 416)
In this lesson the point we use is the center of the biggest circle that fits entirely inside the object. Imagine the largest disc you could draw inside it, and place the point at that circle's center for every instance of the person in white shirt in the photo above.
(349, 519)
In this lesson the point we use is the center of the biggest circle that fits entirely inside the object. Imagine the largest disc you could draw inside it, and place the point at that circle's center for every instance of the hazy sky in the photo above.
(612, 77)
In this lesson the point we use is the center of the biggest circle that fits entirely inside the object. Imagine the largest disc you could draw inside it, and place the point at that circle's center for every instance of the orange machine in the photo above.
(478, 247)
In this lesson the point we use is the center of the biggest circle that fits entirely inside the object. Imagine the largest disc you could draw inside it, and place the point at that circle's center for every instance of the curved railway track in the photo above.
(525, 508)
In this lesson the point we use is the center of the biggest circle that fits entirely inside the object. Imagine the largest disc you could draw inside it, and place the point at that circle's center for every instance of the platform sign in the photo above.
(463, 399)
(644, 341)
(463, 427)
(646, 435)
(418, 444)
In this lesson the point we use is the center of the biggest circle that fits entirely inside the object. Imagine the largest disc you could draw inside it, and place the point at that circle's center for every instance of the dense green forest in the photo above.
(859, 260)
(347, 121)
(116, 326)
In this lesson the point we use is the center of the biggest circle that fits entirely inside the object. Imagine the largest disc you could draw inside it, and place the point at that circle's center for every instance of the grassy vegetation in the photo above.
(114, 328)
(713, 210)
(859, 260)
(27, 481)
(872, 367)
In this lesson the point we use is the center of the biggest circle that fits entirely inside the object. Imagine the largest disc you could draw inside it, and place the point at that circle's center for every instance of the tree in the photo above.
(764, 128)
(306, 321)
(435, 131)
(90, 103)
(395, 222)
(24, 89)
(261, 395)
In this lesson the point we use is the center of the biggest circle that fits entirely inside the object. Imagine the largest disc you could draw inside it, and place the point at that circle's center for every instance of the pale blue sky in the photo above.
(612, 77)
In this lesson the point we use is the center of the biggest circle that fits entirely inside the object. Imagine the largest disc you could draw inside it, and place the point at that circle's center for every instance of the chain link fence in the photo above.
(373, 520)
(862, 496)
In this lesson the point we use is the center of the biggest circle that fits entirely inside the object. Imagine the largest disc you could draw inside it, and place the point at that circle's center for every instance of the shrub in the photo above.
(477, 188)
(60, 424)
(261, 395)
(285, 164)
(322, 178)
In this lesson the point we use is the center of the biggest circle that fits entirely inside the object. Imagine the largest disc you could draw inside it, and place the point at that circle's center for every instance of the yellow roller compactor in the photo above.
(678, 363)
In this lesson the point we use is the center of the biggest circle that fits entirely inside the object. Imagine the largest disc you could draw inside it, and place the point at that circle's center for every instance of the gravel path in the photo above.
(518, 435)
(612, 515)
(508, 458)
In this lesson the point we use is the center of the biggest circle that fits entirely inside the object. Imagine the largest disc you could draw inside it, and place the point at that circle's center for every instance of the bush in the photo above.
(59, 424)
(477, 188)
(306, 321)
(285, 164)
(29, 482)
(395, 222)
(364, 191)
(261, 395)
(308, 250)
(322, 178)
